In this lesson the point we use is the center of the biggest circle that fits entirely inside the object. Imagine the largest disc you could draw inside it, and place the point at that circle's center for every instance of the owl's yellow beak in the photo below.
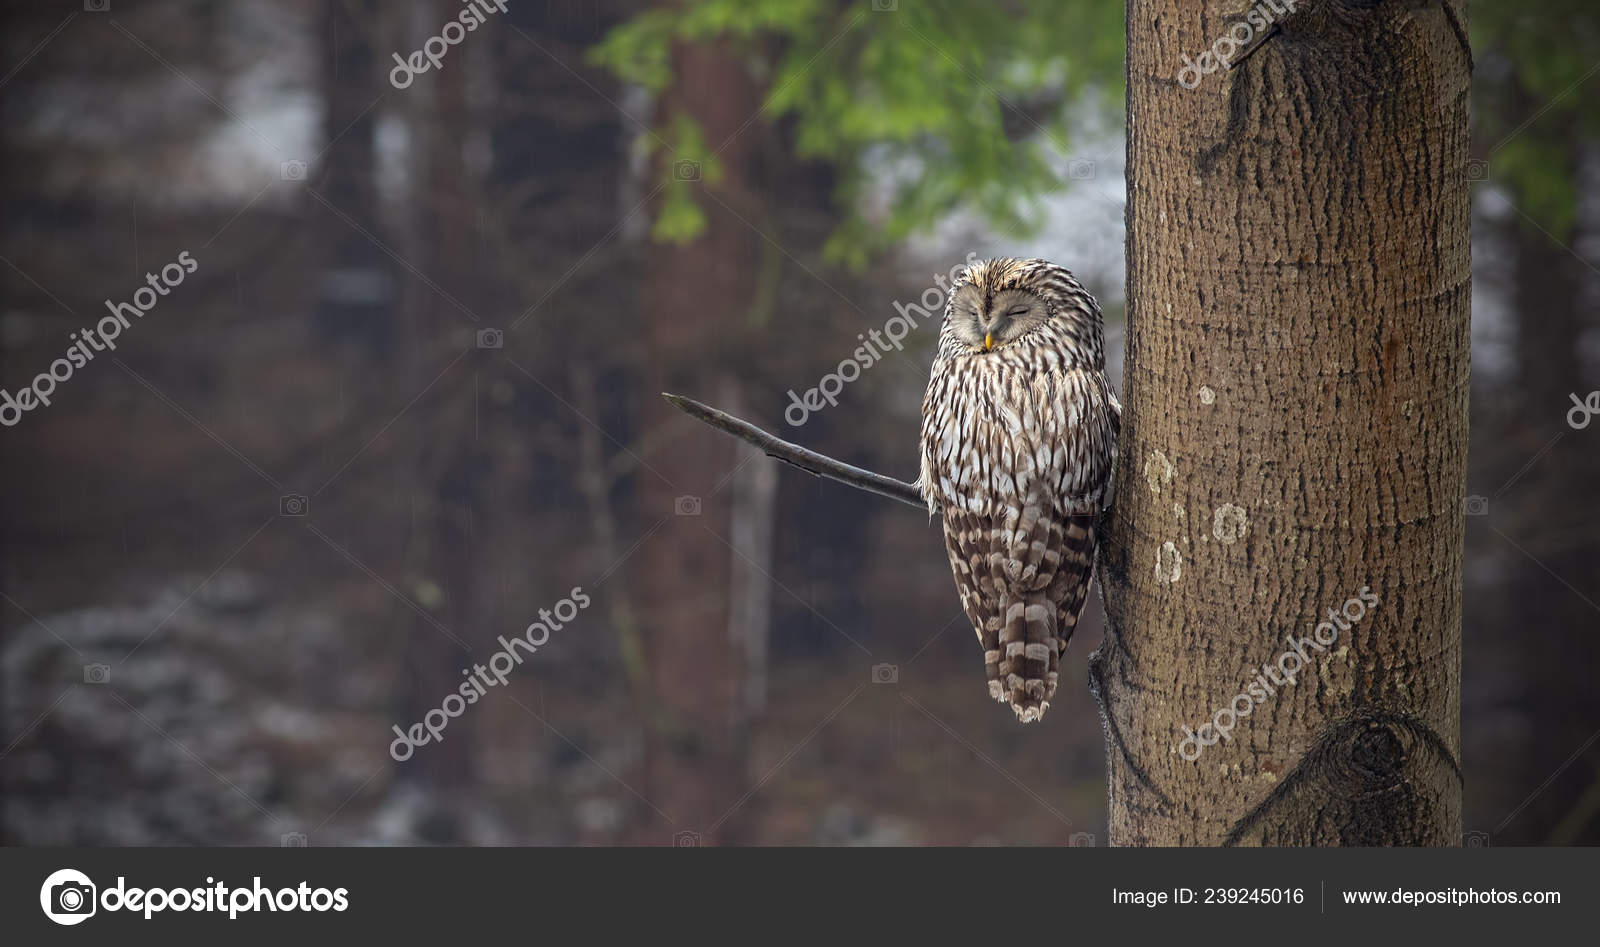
(988, 341)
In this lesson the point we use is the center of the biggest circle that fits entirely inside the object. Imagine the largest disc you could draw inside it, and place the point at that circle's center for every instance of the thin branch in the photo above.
(810, 461)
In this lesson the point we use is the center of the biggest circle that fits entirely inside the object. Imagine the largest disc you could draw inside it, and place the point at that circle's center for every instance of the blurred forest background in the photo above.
(410, 397)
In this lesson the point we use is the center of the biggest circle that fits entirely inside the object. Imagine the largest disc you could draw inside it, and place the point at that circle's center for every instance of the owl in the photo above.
(1019, 441)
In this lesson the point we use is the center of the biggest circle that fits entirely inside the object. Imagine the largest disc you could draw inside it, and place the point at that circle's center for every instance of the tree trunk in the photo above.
(1549, 549)
(1295, 432)
(694, 758)
(753, 494)
(445, 464)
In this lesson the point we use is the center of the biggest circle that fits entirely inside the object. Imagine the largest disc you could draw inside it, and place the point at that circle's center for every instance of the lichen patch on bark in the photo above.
(1230, 524)
(1158, 471)
(1169, 563)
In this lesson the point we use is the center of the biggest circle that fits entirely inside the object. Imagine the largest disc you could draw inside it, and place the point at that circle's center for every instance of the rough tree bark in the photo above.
(1294, 432)
(1295, 429)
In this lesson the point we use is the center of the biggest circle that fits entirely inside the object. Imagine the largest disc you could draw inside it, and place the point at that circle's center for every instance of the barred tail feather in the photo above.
(1029, 657)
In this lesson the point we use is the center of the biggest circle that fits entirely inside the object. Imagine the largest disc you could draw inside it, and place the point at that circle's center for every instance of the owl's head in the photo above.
(1000, 305)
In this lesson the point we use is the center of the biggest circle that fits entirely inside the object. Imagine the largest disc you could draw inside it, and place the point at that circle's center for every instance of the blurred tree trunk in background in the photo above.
(443, 472)
(696, 297)
(1552, 474)
(563, 144)
(753, 489)
(1295, 430)
(355, 291)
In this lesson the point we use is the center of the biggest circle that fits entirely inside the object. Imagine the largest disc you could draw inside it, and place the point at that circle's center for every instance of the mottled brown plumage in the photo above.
(1019, 430)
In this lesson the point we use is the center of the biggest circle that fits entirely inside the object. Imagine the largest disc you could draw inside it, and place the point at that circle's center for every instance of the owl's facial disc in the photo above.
(986, 324)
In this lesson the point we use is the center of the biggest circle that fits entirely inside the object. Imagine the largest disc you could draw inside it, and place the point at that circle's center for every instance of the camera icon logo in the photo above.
(292, 840)
(686, 506)
(886, 674)
(1081, 840)
(295, 504)
(491, 338)
(1080, 169)
(96, 6)
(97, 674)
(685, 170)
(686, 839)
(1475, 840)
(885, 6)
(292, 170)
(1475, 505)
(1477, 169)
(67, 897)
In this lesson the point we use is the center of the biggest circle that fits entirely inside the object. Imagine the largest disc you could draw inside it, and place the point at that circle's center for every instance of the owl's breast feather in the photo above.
(996, 432)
